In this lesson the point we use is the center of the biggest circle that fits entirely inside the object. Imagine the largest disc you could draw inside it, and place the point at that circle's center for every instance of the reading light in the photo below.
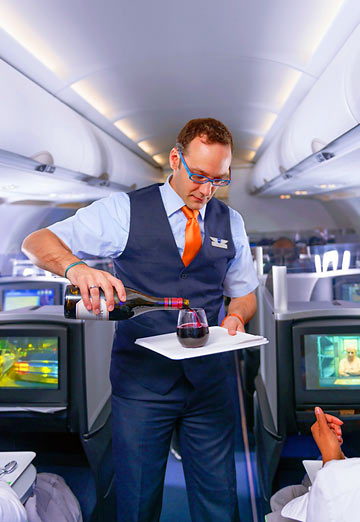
(325, 186)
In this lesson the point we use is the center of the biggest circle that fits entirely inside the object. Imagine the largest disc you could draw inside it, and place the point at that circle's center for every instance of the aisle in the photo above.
(175, 504)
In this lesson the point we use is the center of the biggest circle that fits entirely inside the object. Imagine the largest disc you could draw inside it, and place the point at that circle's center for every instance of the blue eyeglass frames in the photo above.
(199, 178)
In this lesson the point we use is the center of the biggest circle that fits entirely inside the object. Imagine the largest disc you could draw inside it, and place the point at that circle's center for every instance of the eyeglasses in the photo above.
(199, 178)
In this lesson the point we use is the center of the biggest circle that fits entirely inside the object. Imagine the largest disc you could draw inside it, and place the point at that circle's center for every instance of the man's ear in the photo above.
(174, 159)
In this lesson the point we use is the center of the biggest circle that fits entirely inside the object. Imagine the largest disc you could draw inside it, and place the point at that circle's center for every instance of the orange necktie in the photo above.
(192, 235)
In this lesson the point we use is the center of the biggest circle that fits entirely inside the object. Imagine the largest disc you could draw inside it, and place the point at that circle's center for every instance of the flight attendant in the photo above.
(173, 239)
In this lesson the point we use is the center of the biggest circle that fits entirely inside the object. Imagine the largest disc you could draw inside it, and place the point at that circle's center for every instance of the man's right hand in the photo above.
(326, 431)
(89, 280)
(46, 250)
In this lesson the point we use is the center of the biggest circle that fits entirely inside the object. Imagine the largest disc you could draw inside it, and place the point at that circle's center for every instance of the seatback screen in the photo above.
(331, 361)
(350, 292)
(21, 297)
(29, 362)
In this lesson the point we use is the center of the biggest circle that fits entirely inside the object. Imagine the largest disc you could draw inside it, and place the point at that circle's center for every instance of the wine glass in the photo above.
(192, 328)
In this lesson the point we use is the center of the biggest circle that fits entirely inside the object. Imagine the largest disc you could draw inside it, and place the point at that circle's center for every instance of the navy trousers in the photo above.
(142, 428)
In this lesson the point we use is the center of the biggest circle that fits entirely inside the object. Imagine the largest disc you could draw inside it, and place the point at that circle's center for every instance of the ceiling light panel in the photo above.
(18, 27)
(126, 128)
(92, 96)
(147, 147)
(161, 159)
(241, 156)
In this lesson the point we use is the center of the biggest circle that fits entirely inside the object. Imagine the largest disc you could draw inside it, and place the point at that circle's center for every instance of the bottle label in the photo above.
(173, 302)
(83, 313)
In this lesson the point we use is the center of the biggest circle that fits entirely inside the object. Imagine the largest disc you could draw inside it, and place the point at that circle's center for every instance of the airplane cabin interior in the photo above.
(93, 95)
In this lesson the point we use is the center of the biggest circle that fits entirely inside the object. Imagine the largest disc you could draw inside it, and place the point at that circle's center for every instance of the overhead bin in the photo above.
(330, 109)
(34, 121)
(267, 168)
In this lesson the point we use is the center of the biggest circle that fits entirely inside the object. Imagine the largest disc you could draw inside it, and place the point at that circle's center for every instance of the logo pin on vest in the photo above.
(219, 243)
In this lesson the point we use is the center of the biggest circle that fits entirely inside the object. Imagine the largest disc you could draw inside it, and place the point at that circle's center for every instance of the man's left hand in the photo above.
(233, 325)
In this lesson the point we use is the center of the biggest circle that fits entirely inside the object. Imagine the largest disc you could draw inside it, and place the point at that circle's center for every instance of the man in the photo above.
(153, 235)
(349, 365)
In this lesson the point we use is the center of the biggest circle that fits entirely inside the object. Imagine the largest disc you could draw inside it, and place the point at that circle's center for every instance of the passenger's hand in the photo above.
(325, 437)
(233, 325)
(89, 280)
(335, 425)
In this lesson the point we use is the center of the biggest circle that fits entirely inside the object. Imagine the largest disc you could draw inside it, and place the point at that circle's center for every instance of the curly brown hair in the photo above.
(214, 130)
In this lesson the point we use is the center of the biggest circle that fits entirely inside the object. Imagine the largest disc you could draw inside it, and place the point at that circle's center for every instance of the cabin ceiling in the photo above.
(141, 70)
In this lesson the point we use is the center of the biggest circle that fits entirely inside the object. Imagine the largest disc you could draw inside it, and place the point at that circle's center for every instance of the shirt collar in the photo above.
(172, 201)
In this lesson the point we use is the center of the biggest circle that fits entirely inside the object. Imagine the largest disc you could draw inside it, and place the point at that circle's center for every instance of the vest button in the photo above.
(184, 276)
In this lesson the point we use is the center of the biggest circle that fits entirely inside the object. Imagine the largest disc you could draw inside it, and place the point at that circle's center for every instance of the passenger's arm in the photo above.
(49, 252)
(245, 307)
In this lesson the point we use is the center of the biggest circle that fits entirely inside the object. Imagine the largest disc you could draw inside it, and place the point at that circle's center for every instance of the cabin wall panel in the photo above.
(17, 221)
(347, 212)
(262, 215)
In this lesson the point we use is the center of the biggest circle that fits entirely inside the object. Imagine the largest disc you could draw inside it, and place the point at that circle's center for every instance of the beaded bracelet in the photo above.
(74, 264)
(235, 315)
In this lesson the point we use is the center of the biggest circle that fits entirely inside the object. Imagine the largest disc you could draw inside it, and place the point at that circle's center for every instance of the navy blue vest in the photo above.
(151, 264)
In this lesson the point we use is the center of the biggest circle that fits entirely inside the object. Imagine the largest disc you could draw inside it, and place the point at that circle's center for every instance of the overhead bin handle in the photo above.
(46, 168)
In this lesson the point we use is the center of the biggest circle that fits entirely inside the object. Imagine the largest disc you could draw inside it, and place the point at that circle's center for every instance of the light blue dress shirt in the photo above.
(102, 229)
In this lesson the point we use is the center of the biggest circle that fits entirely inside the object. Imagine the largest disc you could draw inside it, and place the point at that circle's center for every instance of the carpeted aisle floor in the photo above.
(175, 504)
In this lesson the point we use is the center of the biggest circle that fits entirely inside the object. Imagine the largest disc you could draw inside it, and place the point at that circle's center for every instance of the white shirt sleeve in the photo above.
(241, 278)
(335, 493)
(296, 509)
(11, 509)
(100, 229)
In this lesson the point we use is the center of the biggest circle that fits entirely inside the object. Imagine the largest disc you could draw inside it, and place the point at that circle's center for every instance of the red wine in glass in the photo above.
(192, 329)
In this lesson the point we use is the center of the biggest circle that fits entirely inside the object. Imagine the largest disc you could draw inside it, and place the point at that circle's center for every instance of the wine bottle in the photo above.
(136, 303)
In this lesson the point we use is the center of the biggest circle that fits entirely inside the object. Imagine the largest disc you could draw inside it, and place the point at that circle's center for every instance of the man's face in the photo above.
(209, 159)
(351, 352)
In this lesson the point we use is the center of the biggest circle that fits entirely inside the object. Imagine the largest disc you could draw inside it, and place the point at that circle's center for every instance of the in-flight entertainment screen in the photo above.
(331, 361)
(21, 297)
(29, 362)
(350, 292)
